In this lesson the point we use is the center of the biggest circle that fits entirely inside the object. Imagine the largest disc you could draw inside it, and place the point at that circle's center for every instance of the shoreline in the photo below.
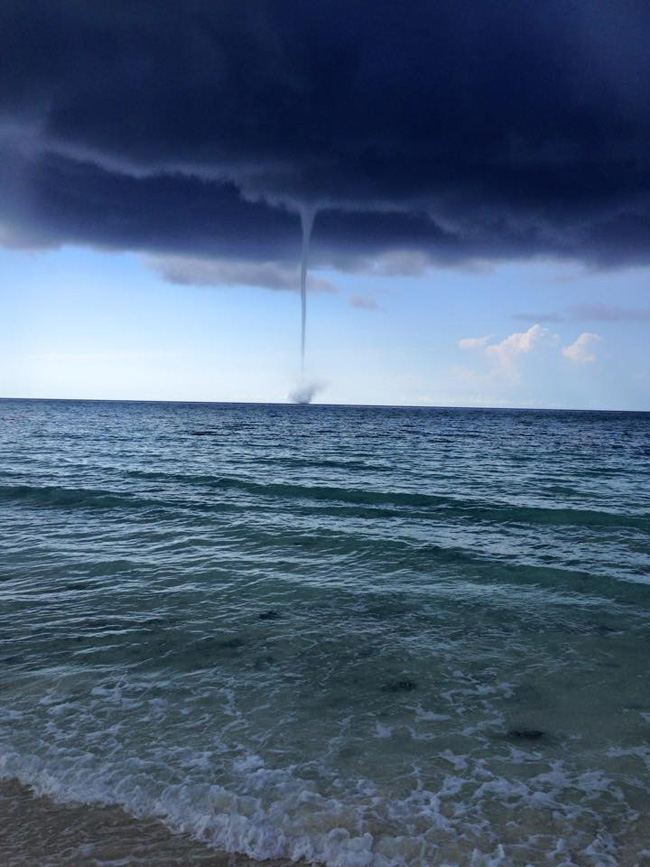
(39, 831)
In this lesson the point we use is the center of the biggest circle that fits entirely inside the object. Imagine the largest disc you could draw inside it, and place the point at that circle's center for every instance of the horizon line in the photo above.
(421, 406)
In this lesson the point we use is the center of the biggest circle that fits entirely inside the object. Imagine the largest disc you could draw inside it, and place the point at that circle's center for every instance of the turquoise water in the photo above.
(365, 636)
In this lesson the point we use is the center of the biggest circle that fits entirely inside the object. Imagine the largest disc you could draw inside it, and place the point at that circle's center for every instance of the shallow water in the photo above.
(362, 636)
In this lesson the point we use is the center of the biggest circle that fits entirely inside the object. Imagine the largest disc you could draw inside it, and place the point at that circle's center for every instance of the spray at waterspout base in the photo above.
(306, 392)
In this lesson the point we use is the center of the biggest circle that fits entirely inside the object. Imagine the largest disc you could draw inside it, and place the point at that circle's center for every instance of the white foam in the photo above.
(383, 731)
(422, 715)
(447, 807)
(300, 822)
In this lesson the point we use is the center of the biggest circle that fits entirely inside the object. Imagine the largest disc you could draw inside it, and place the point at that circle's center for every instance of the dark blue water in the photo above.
(365, 636)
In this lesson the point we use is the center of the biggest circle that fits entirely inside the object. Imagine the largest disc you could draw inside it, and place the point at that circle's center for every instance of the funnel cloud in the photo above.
(307, 217)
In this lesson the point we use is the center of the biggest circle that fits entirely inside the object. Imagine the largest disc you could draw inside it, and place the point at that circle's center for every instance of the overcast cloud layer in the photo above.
(427, 132)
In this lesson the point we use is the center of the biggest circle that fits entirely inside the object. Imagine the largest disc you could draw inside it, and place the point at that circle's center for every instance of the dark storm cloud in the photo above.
(437, 132)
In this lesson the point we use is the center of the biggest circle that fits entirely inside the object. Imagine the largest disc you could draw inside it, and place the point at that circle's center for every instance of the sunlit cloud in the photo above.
(583, 349)
(473, 343)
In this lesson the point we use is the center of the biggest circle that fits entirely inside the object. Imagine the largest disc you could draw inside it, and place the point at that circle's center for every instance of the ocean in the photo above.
(364, 637)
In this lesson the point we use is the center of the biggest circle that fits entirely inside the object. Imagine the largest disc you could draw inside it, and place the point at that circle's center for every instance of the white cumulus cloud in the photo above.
(583, 349)
(502, 357)
(518, 343)
(475, 342)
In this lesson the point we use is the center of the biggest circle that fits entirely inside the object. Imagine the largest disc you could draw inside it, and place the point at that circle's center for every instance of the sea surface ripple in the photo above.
(368, 637)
